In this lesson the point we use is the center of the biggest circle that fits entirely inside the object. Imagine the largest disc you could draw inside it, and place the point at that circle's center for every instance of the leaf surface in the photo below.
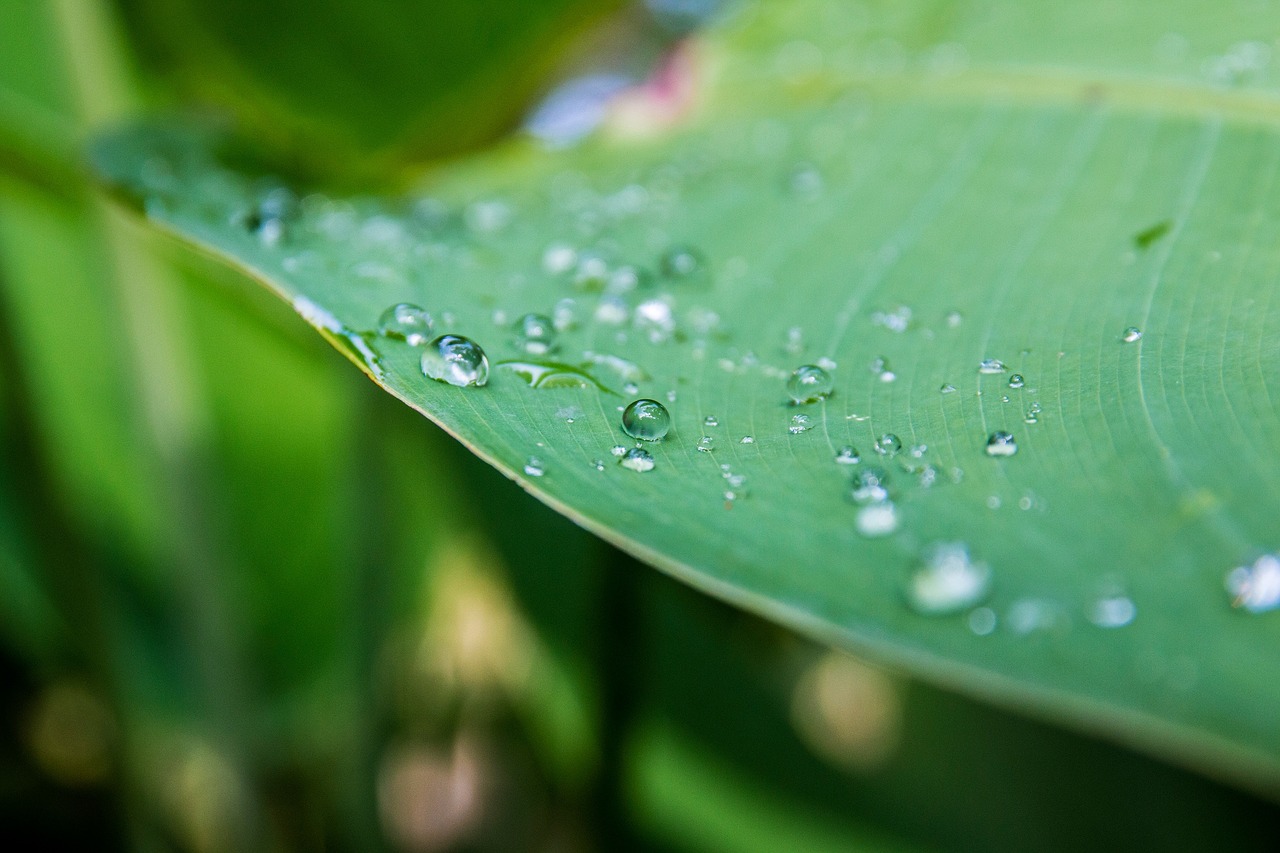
(900, 191)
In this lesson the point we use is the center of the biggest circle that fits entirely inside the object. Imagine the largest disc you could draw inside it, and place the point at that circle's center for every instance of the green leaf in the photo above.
(1006, 173)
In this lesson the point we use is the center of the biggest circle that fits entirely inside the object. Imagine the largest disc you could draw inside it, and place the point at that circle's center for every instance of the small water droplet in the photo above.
(533, 467)
(795, 340)
(559, 258)
(869, 486)
(982, 621)
(991, 366)
(847, 455)
(706, 444)
(877, 519)
(456, 360)
(809, 383)
(681, 262)
(710, 421)
(1016, 381)
(565, 314)
(888, 444)
(1131, 334)
(948, 388)
(637, 459)
(536, 334)
(1112, 611)
(1001, 443)
(898, 320)
(954, 319)
(656, 319)
(1256, 588)
(747, 439)
(799, 424)
(406, 322)
(618, 450)
(948, 581)
(647, 420)
(598, 464)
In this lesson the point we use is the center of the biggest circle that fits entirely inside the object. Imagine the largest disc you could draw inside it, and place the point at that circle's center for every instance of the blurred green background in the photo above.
(248, 601)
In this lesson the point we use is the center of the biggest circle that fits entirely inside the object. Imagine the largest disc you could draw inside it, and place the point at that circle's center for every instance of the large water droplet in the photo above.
(536, 334)
(456, 360)
(948, 581)
(1001, 443)
(406, 322)
(546, 375)
(637, 459)
(647, 420)
(809, 383)
(1256, 588)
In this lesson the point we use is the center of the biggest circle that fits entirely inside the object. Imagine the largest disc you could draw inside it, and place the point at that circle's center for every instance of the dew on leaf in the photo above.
(559, 258)
(877, 519)
(406, 322)
(800, 423)
(1131, 335)
(637, 459)
(1016, 381)
(847, 455)
(1256, 588)
(455, 360)
(808, 384)
(646, 420)
(536, 334)
(1001, 443)
(706, 444)
(1112, 611)
(888, 445)
(991, 366)
(533, 467)
(681, 262)
(948, 581)
(869, 486)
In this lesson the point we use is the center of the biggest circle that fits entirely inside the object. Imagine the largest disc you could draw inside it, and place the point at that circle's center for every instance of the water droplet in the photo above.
(948, 388)
(456, 360)
(877, 519)
(1001, 443)
(1131, 334)
(598, 464)
(898, 320)
(533, 467)
(869, 486)
(637, 459)
(888, 444)
(748, 439)
(706, 444)
(948, 581)
(536, 334)
(991, 366)
(546, 375)
(1112, 611)
(918, 451)
(559, 258)
(847, 455)
(647, 420)
(982, 621)
(795, 340)
(880, 367)
(406, 322)
(799, 424)
(809, 383)
(1016, 381)
(565, 314)
(954, 319)
(681, 262)
(618, 450)
(612, 310)
(1256, 588)
(656, 318)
